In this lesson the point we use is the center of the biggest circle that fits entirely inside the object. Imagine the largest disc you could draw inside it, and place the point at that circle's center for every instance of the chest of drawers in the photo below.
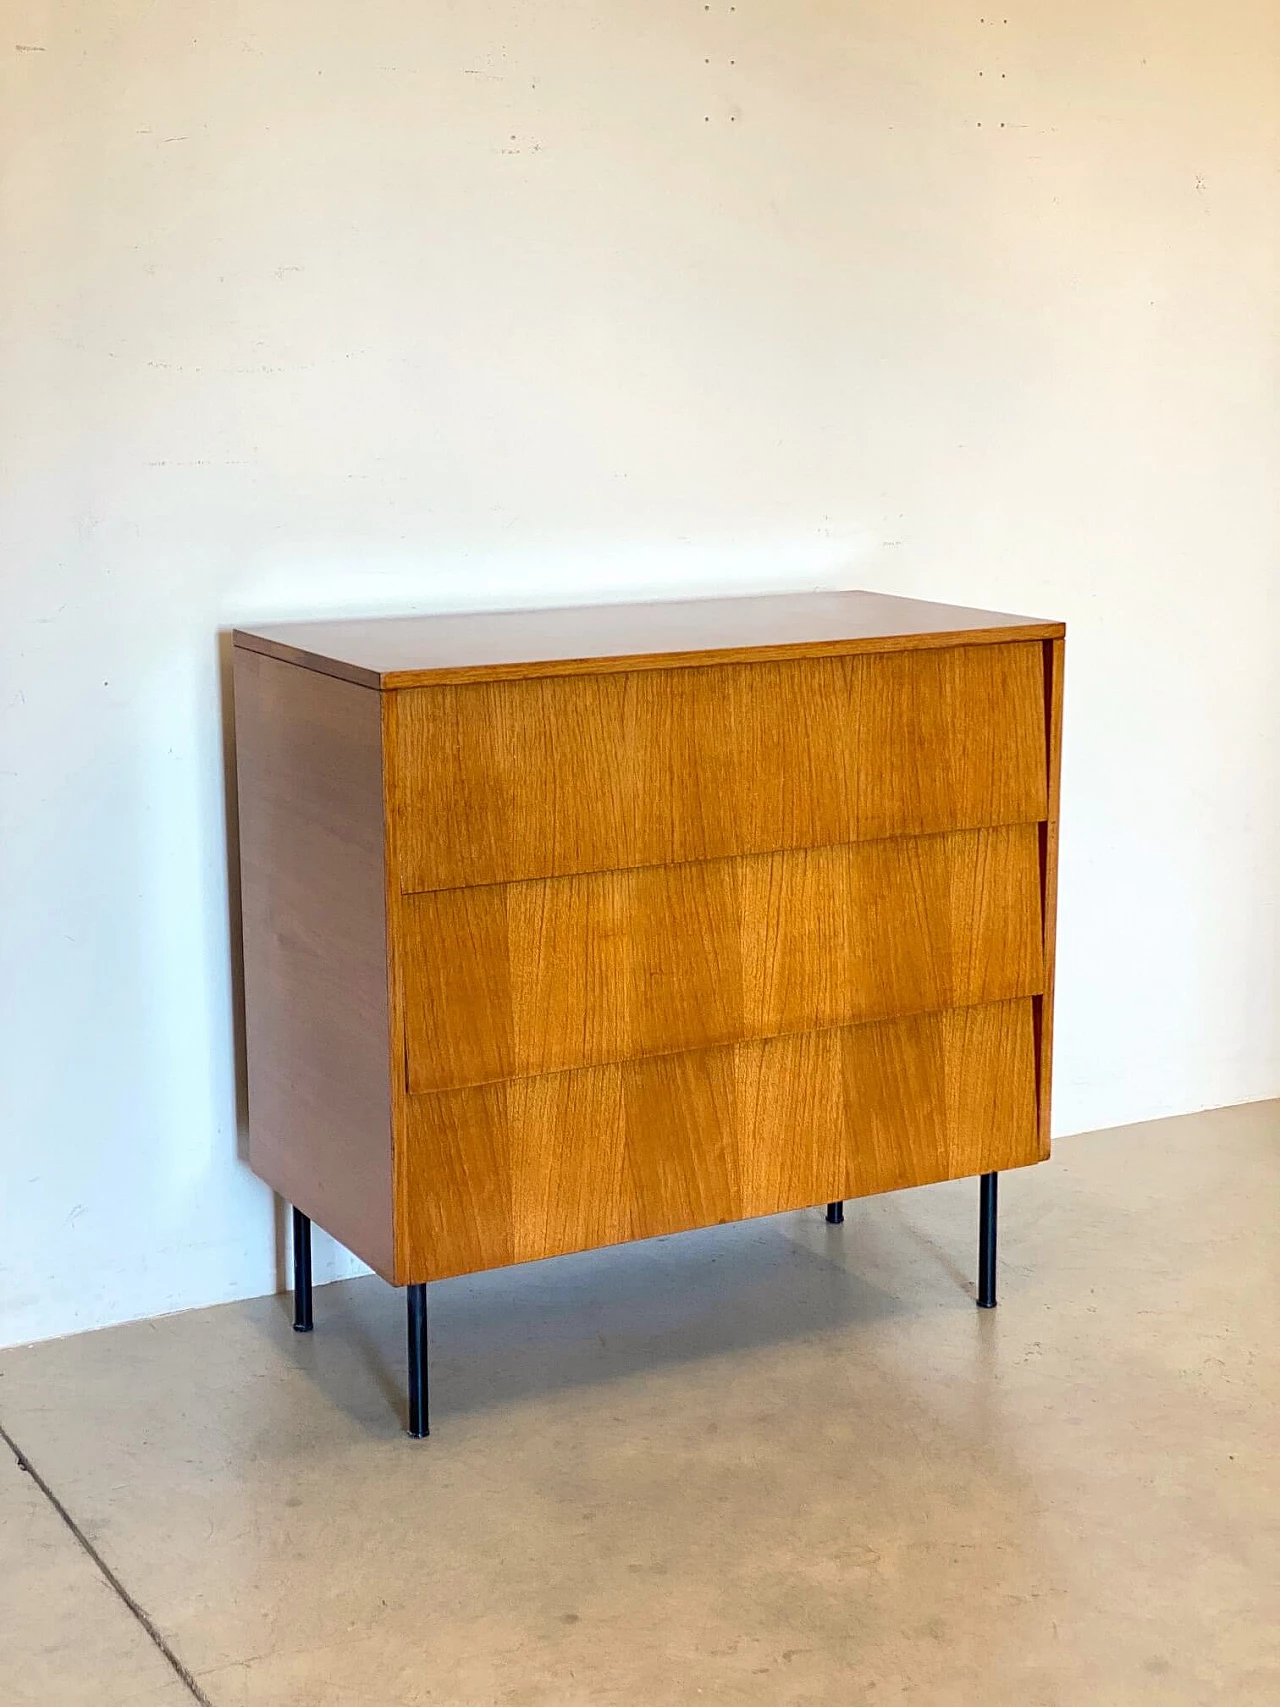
(565, 928)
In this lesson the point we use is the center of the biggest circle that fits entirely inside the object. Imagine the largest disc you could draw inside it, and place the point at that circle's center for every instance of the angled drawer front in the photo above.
(536, 1167)
(511, 780)
(512, 980)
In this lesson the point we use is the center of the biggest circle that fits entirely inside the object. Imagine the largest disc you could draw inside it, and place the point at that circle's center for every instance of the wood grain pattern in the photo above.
(562, 944)
(317, 1019)
(413, 651)
(538, 1167)
(528, 978)
(512, 780)
(1054, 660)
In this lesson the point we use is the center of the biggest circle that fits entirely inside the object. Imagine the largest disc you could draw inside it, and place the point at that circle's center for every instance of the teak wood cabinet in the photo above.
(564, 928)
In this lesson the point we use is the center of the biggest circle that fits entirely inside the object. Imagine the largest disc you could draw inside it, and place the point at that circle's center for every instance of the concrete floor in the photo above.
(780, 1463)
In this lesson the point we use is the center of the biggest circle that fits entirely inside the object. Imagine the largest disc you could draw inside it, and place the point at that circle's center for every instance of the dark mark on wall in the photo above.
(23, 47)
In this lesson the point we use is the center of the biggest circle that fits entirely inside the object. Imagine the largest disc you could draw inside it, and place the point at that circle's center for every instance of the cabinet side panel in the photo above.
(309, 766)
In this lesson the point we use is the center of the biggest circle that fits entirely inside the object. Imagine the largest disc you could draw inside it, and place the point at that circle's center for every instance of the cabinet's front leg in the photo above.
(835, 1214)
(987, 1242)
(417, 1304)
(302, 1318)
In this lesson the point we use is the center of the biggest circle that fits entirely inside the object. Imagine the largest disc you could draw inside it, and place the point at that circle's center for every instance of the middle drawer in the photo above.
(515, 979)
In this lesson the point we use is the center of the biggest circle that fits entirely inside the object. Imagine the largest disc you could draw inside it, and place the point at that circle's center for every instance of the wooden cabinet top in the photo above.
(414, 651)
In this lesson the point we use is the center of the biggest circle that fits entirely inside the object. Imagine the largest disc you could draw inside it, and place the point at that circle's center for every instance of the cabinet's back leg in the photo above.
(302, 1318)
(835, 1214)
(417, 1305)
(987, 1242)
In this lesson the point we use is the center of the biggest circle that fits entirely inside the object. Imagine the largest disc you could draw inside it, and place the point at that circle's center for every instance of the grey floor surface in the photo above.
(778, 1463)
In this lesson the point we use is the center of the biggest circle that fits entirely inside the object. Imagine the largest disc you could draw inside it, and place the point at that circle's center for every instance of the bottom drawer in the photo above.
(536, 1167)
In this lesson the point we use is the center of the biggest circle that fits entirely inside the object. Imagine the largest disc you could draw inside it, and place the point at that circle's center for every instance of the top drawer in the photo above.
(497, 781)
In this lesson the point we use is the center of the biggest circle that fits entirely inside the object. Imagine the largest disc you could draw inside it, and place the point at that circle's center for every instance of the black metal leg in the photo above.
(835, 1214)
(417, 1301)
(302, 1318)
(987, 1242)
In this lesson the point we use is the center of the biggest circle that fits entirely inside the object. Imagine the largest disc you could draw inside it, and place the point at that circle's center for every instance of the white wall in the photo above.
(309, 307)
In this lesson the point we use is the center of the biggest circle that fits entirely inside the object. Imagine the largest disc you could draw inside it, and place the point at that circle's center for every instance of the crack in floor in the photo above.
(108, 1575)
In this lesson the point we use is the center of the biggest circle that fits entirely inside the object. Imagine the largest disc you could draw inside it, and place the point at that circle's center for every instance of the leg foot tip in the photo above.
(303, 1327)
